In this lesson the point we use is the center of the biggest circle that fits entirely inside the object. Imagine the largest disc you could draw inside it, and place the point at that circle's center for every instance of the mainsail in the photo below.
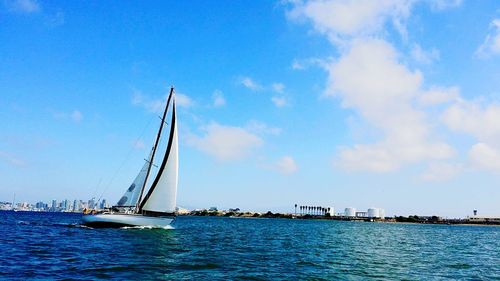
(161, 197)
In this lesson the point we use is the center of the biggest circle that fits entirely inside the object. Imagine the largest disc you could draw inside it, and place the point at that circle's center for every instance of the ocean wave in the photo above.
(148, 227)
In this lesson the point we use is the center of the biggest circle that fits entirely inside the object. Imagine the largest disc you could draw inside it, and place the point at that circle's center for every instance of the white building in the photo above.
(350, 212)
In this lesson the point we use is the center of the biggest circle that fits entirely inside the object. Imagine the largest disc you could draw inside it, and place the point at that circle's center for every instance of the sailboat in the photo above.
(153, 206)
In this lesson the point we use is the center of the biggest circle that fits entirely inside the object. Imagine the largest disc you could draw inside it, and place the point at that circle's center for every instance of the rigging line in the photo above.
(127, 157)
(97, 188)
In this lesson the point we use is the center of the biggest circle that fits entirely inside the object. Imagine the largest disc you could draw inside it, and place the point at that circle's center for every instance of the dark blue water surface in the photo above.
(55, 246)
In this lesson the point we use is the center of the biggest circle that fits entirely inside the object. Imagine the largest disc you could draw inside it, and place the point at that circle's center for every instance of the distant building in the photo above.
(5, 206)
(67, 205)
(103, 204)
(75, 206)
(91, 204)
(40, 205)
(377, 213)
(182, 211)
(483, 219)
(361, 214)
(350, 212)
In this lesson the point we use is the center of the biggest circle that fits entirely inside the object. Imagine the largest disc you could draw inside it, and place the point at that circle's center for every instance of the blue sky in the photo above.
(391, 104)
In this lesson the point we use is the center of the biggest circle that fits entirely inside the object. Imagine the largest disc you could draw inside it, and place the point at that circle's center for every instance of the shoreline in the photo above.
(270, 215)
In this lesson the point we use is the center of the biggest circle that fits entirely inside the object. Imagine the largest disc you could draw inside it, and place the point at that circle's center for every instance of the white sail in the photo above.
(162, 195)
(131, 195)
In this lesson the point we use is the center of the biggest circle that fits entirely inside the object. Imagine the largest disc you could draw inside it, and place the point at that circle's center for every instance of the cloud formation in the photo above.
(249, 83)
(369, 79)
(484, 156)
(151, 105)
(260, 128)
(75, 116)
(279, 101)
(183, 100)
(479, 120)
(422, 56)
(343, 20)
(158, 105)
(444, 4)
(441, 171)
(22, 6)
(286, 165)
(218, 99)
(491, 45)
(278, 87)
(11, 159)
(225, 143)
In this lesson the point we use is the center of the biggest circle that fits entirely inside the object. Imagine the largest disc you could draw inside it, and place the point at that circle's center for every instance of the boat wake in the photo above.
(148, 227)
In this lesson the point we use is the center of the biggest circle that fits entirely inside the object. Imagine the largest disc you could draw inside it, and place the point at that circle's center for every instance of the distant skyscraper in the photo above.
(39, 205)
(92, 204)
(104, 204)
(75, 206)
(54, 205)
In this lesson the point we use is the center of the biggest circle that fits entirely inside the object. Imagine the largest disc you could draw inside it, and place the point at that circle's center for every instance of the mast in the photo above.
(154, 148)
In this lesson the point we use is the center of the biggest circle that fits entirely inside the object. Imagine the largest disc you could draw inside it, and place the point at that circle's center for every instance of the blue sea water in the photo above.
(55, 246)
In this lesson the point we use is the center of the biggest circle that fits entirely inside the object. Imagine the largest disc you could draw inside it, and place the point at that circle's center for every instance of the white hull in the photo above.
(117, 220)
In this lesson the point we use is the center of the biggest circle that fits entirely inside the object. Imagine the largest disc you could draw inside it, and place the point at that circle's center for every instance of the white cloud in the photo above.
(480, 121)
(474, 118)
(441, 171)
(151, 105)
(158, 105)
(491, 45)
(390, 98)
(138, 144)
(341, 20)
(439, 95)
(218, 99)
(286, 165)
(183, 100)
(225, 143)
(369, 79)
(424, 57)
(262, 128)
(297, 65)
(485, 157)
(249, 83)
(279, 101)
(23, 6)
(55, 20)
(278, 87)
(11, 159)
(444, 4)
(306, 63)
(76, 116)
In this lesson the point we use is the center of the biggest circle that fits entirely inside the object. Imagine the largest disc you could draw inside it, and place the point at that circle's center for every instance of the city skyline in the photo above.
(65, 205)
(344, 103)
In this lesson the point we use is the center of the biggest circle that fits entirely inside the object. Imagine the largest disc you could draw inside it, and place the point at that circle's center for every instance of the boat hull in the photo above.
(121, 220)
